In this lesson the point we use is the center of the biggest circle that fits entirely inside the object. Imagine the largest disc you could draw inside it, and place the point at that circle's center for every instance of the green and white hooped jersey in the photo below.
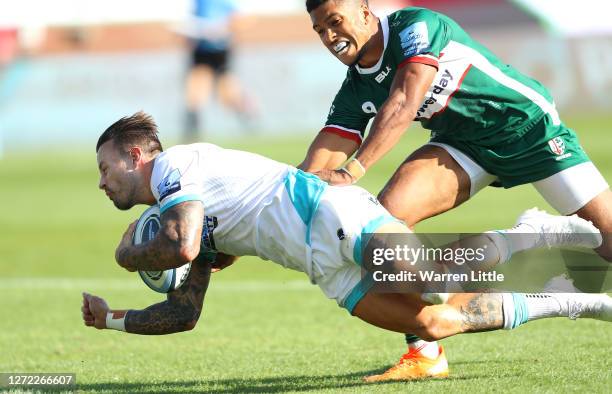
(474, 96)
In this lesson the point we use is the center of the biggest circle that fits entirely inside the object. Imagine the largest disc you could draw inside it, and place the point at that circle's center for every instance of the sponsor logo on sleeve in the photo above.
(170, 184)
(414, 39)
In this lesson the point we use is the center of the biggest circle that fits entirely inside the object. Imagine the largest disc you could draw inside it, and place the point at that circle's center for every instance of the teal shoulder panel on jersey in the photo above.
(305, 191)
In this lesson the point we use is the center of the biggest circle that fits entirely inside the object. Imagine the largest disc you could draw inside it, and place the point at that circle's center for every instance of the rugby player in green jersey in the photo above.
(490, 125)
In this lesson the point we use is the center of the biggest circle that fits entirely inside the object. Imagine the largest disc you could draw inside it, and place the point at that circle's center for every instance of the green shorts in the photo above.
(540, 150)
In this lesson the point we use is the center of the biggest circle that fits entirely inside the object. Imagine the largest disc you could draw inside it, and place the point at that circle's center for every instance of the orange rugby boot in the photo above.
(413, 365)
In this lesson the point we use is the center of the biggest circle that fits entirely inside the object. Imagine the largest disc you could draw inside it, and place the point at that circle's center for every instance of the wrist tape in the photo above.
(116, 320)
(355, 169)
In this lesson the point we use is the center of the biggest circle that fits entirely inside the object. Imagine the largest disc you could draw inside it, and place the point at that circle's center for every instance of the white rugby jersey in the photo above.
(252, 205)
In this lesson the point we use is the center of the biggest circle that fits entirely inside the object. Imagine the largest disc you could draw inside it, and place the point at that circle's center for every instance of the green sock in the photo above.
(411, 338)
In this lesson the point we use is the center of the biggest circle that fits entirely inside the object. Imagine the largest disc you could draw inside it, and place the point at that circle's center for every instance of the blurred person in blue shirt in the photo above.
(211, 33)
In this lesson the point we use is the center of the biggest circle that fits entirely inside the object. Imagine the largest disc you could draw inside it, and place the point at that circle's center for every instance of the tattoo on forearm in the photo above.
(181, 225)
(179, 312)
(482, 313)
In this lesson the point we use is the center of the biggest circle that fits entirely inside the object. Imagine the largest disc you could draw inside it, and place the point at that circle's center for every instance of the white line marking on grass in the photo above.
(136, 283)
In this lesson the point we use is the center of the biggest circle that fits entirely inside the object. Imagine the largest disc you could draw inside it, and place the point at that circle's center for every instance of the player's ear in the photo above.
(364, 11)
(135, 154)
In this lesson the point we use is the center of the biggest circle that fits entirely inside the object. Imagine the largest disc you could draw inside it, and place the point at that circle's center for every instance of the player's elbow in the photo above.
(182, 249)
(188, 251)
(189, 320)
(188, 254)
(190, 325)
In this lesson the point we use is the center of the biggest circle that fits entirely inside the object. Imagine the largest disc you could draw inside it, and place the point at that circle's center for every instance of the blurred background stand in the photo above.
(98, 61)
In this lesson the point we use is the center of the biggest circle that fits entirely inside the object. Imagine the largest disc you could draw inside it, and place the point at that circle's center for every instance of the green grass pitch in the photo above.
(263, 328)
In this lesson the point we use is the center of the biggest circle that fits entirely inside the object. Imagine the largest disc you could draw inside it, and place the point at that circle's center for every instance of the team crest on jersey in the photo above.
(557, 146)
(414, 39)
(170, 184)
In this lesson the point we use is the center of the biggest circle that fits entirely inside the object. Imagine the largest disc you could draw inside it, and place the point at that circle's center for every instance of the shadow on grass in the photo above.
(277, 384)
(502, 361)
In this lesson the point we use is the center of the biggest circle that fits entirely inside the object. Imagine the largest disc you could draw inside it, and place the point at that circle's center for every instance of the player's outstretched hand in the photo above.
(335, 177)
(126, 242)
(94, 311)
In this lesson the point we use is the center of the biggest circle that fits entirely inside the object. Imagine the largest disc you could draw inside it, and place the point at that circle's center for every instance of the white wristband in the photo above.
(116, 320)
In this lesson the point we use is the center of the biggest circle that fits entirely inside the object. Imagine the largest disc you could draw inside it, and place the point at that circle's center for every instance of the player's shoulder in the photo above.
(178, 163)
(405, 17)
(181, 157)
(171, 155)
(179, 152)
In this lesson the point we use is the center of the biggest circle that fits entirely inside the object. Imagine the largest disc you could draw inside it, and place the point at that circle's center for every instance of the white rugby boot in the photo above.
(576, 304)
(555, 231)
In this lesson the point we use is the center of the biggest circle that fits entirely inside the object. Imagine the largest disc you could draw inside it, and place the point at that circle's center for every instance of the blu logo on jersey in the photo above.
(381, 77)
(170, 184)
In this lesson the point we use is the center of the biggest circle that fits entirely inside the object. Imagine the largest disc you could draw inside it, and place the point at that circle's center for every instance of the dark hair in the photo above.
(314, 4)
(139, 129)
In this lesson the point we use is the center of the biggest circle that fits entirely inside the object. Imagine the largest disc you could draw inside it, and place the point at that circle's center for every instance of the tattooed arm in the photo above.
(180, 311)
(176, 243)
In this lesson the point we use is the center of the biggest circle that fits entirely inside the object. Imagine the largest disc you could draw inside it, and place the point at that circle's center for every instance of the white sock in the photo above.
(541, 305)
(501, 243)
(516, 239)
(519, 308)
(427, 349)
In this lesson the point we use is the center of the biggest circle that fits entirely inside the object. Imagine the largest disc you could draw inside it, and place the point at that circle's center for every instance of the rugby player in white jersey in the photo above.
(240, 204)
(489, 123)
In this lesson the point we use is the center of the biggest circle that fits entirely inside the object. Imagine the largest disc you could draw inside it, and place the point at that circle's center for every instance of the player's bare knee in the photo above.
(391, 204)
(401, 208)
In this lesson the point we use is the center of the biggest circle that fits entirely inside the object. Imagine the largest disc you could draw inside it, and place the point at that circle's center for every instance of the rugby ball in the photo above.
(147, 226)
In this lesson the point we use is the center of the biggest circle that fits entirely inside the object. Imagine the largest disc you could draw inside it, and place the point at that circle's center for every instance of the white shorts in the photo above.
(479, 178)
(571, 189)
(566, 191)
(343, 215)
